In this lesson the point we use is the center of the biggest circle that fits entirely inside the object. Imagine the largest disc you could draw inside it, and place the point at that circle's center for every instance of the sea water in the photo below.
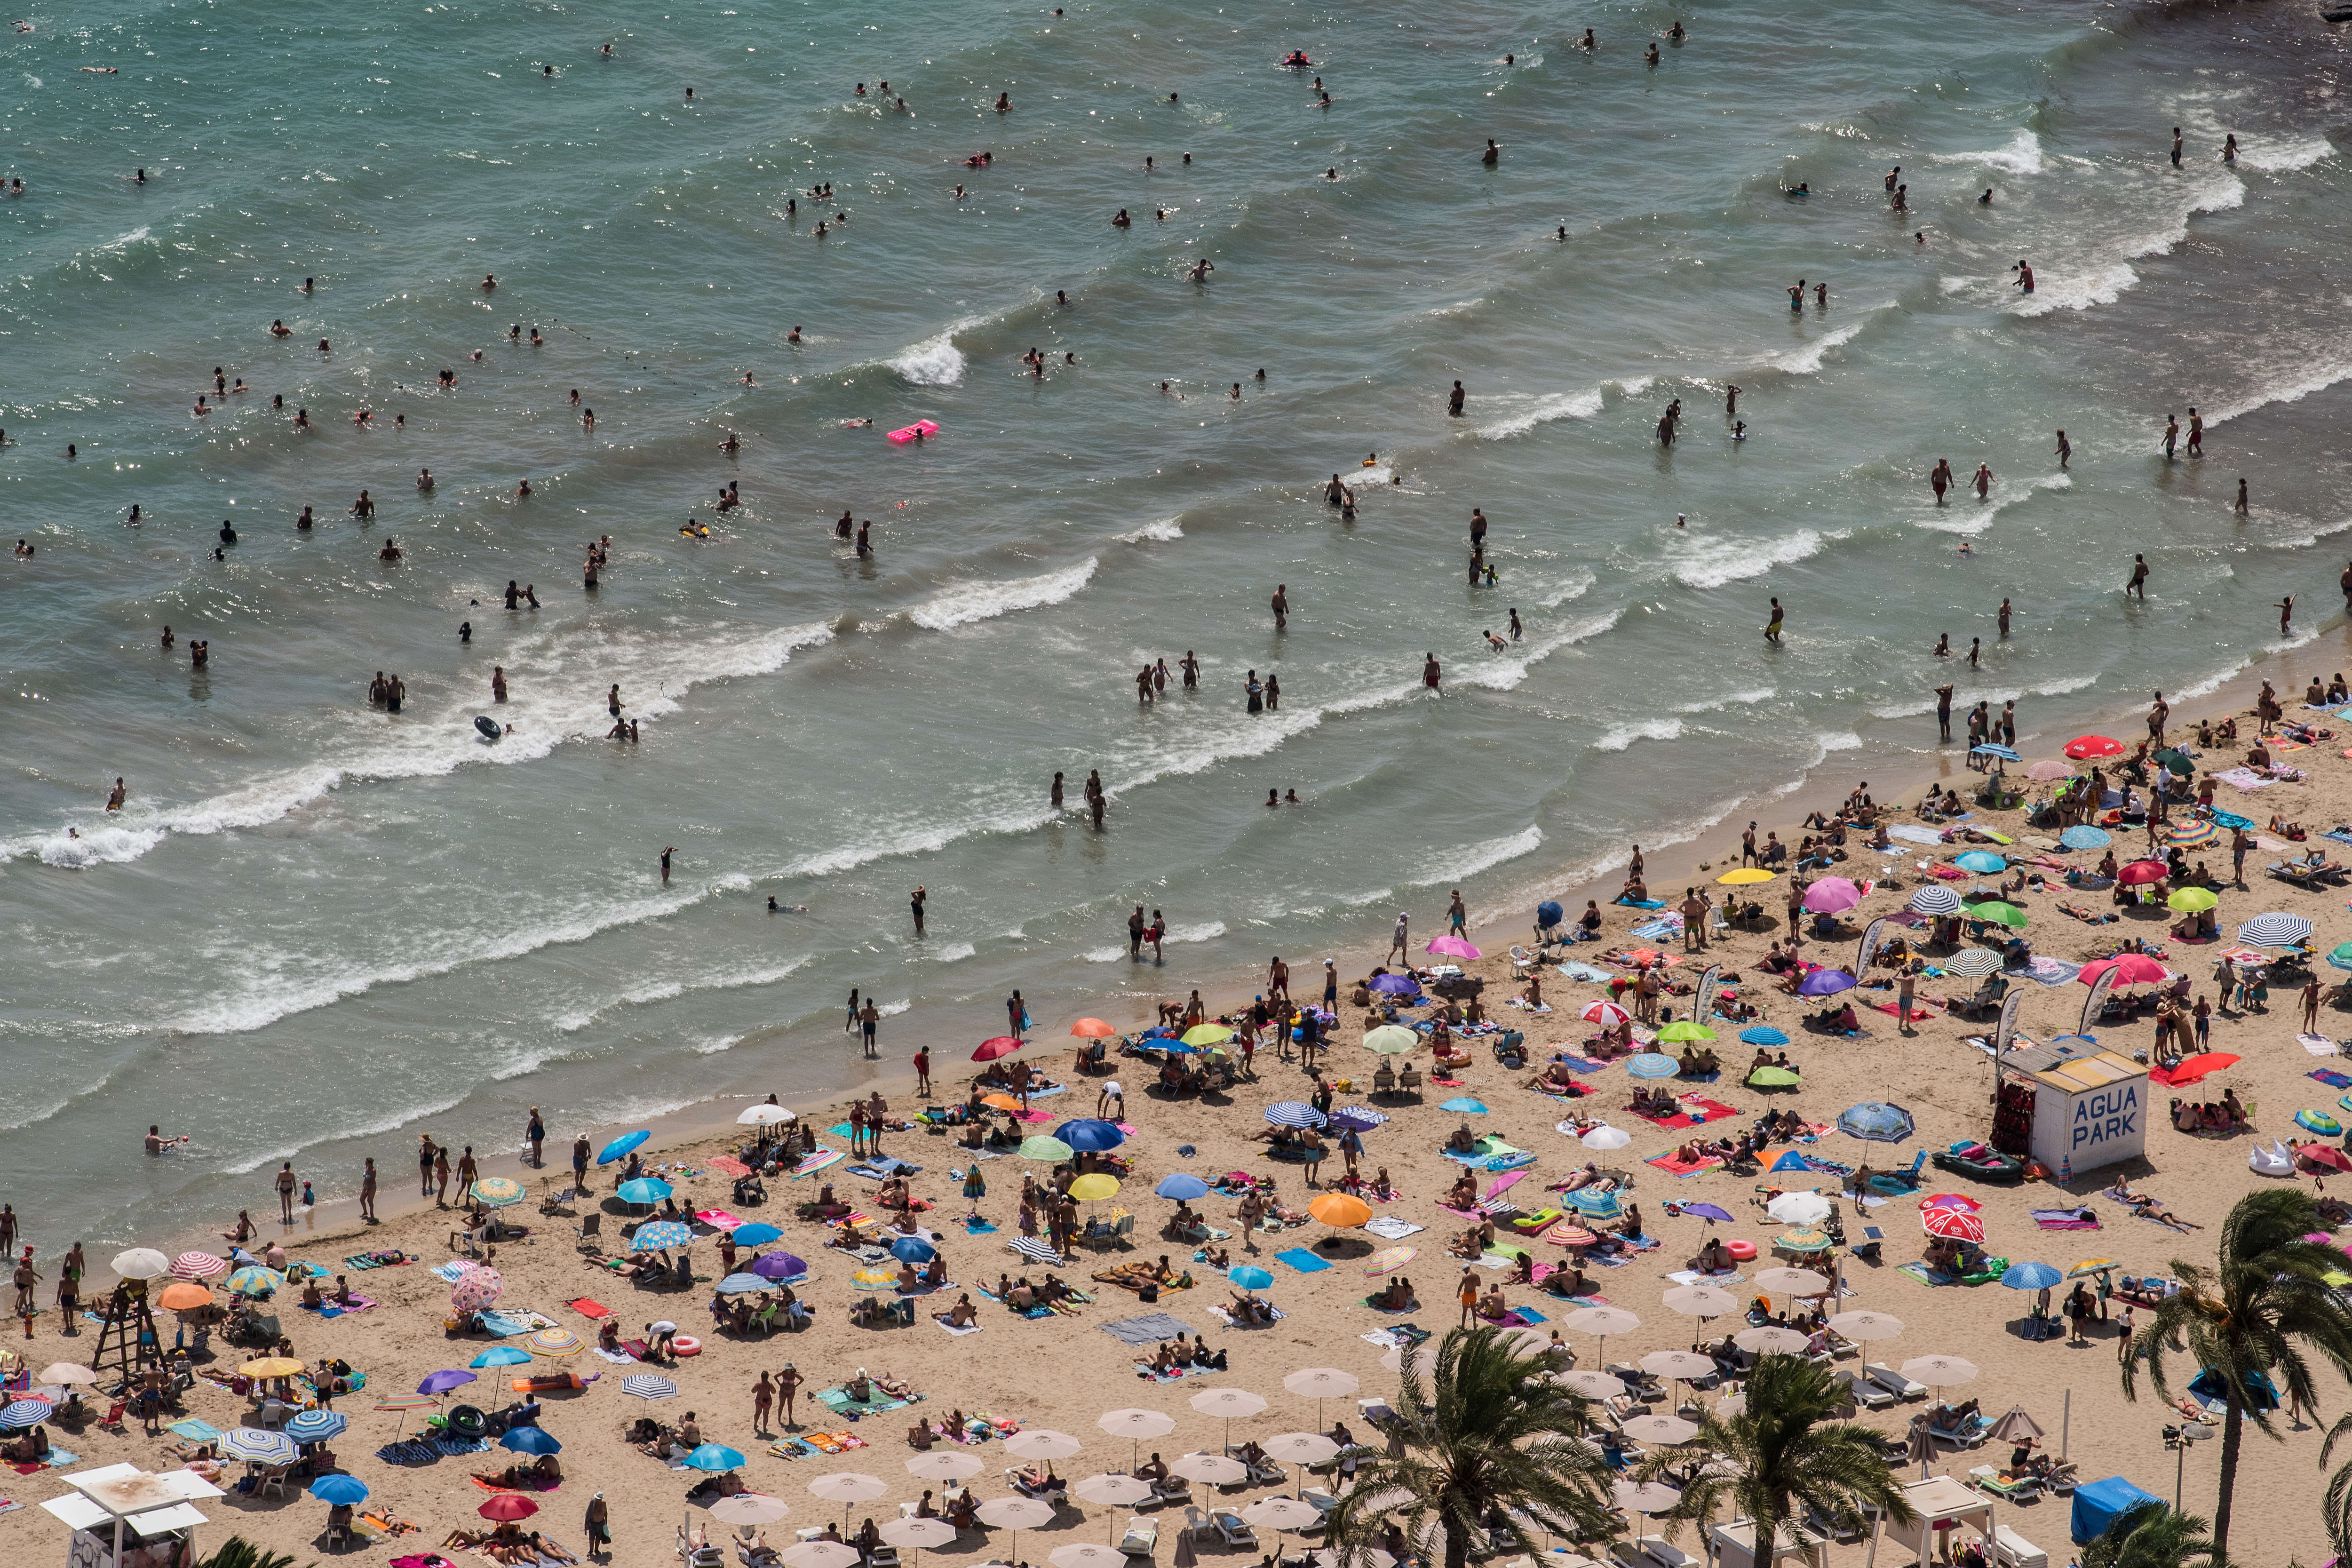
(317, 929)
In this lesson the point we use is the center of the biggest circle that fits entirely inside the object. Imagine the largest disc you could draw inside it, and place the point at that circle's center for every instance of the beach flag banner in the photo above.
(2099, 989)
(1869, 948)
(1704, 997)
(2000, 1037)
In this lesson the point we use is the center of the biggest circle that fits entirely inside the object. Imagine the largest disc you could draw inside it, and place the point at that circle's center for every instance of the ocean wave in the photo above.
(2021, 155)
(952, 951)
(1617, 738)
(1737, 699)
(1807, 360)
(667, 989)
(1967, 517)
(656, 673)
(1461, 864)
(1159, 532)
(2300, 385)
(934, 361)
(2100, 284)
(1575, 588)
(1198, 932)
(1712, 562)
(2283, 155)
(2303, 540)
(1504, 671)
(970, 602)
(1543, 410)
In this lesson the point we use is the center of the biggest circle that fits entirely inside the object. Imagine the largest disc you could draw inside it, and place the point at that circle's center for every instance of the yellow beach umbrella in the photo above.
(271, 1366)
(1207, 1034)
(1094, 1186)
(1745, 876)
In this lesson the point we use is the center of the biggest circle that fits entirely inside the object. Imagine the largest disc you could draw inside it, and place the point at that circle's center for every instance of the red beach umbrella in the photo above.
(2143, 871)
(1002, 1045)
(1956, 1225)
(2083, 746)
(507, 1506)
(2192, 1068)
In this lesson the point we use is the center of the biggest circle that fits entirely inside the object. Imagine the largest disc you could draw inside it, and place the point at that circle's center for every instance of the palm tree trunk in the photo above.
(1457, 1548)
(2232, 1430)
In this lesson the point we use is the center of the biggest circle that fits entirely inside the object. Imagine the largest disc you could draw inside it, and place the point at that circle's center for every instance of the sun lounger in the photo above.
(1142, 1536)
(1231, 1528)
(2016, 1488)
(1894, 1382)
(1866, 1392)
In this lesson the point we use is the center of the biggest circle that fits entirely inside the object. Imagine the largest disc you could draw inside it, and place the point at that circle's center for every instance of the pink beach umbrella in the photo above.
(1452, 946)
(476, 1288)
(1831, 895)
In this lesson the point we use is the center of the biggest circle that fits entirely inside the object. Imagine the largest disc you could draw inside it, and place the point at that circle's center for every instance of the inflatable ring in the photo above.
(687, 1345)
(1743, 1250)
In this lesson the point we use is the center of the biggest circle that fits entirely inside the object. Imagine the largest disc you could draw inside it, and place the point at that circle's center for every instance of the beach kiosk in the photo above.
(1733, 1545)
(2090, 1106)
(122, 1517)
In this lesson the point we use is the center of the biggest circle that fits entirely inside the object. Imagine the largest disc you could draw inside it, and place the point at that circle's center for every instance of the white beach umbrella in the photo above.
(766, 1116)
(1648, 1497)
(1113, 1490)
(1793, 1282)
(1678, 1365)
(944, 1467)
(1086, 1554)
(819, 1554)
(1702, 1300)
(1210, 1469)
(1300, 1449)
(1041, 1443)
(1226, 1404)
(1940, 1371)
(142, 1263)
(1605, 1138)
(916, 1534)
(1594, 1384)
(1134, 1424)
(1280, 1512)
(749, 1508)
(1666, 1430)
(1800, 1208)
(1772, 1341)
(1865, 1327)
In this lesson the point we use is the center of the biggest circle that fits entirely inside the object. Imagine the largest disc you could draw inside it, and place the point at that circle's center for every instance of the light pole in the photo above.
(2192, 1432)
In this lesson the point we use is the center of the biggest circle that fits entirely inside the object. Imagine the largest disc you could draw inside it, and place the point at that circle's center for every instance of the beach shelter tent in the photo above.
(2099, 1504)
(115, 1499)
(2090, 1106)
(1734, 1545)
(1940, 1501)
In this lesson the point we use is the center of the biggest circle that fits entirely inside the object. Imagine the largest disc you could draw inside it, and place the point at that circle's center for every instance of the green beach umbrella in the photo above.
(1207, 1034)
(1687, 1029)
(1994, 909)
(1044, 1148)
(2193, 901)
(1773, 1078)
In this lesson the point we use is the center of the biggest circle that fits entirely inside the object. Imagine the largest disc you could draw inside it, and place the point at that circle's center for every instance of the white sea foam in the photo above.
(1459, 864)
(2021, 155)
(658, 671)
(1504, 671)
(1737, 699)
(892, 1009)
(1966, 514)
(1807, 360)
(953, 951)
(1575, 588)
(1159, 532)
(2283, 155)
(2293, 387)
(667, 990)
(1711, 562)
(1618, 737)
(2077, 287)
(934, 361)
(970, 602)
(1543, 410)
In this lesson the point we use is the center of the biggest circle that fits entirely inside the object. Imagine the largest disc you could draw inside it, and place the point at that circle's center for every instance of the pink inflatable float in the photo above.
(914, 432)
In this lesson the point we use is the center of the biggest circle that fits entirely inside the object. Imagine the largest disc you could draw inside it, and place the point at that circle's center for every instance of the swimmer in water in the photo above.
(1493, 154)
(1201, 269)
(1588, 41)
(1739, 430)
(1985, 200)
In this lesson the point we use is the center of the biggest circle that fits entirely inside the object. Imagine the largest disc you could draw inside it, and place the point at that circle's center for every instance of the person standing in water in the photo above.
(2176, 146)
(2241, 505)
(2064, 450)
(1453, 401)
(2004, 620)
(2139, 584)
(1430, 673)
(915, 901)
(1772, 628)
(1281, 606)
(667, 852)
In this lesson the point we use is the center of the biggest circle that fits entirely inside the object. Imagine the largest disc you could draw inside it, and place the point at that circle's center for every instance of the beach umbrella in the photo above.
(1865, 1328)
(874, 1277)
(2191, 900)
(182, 1296)
(1391, 1041)
(67, 1374)
(1800, 1208)
(907, 1249)
(1651, 1064)
(2177, 761)
(1276, 1513)
(1092, 1030)
(765, 1116)
(1389, 1259)
(405, 1402)
(2192, 1068)
(31, 1412)
(1951, 1201)
(255, 1280)
(1294, 1114)
(1041, 1443)
(2275, 930)
(1036, 1250)
(2190, 835)
(819, 1553)
(621, 1148)
(1608, 1015)
(1667, 1430)
(2131, 969)
(1935, 900)
(1685, 1029)
(944, 1466)
(1805, 1240)
(1019, 1513)
(1875, 1121)
(2047, 772)
(1094, 1137)
(1701, 1300)
(1708, 1212)
(556, 1344)
(1772, 1341)
(194, 1266)
(142, 1263)
(1746, 876)
(262, 1447)
(1208, 1035)
(2084, 747)
(1088, 1554)
(1592, 1203)
(2015, 1427)
(1605, 1137)
(1004, 1102)
(1182, 1186)
(1650, 1497)
(1825, 983)
(644, 1385)
(274, 1366)
(1051, 1150)
(316, 1426)
(2341, 957)
(2030, 1276)
(1465, 1105)
(846, 1487)
(1249, 1279)
(1094, 1187)
(2139, 871)
(912, 1534)
(778, 1266)
(661, 1236)
(1800, 1282)
(1592, 1384)
(438, 1382)
(1452, 946)
(998, 1046)
(749, 1508)
(508, 1506)
(1362, 1117)
(755, 1235)
(1972, 962)
(1210, 1469)
(1341, 1211)
(2086, 836)
(1320, 1382)
(1999, 913)
(499, 1191)
(530, 1440)
(2318, 1122)
(1774, 1078)
(1600, 1322)
(2321, 1155)
(1940, 1371)
(500, 1355)
(1984, 862)
(646, 1190)
(1135, 1424)
(339, 1491)
(1227, 1404)
(476, 1288)
(1831, 895)
(716, 1458)
(1395, 985)
(1953, 1224)
(2091, 1266)
(1763, 1035)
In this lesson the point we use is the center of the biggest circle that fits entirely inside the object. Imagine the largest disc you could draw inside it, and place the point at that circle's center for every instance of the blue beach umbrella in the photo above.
(1548, 914)
(661, 1236)
(1653, 1064)
(1294, 1114)
(2087, 838)
(646, 1190)
(264, 1447)
(913, 1249)
(1592, 1203)
(743, 1285)
(756, 1235)
(1249, 1279)
(500, 1356)
(339, 1491)
(715, 1457)
(621, 1148)
(1182, 1187)
(2260, 1393)
(1361, 1118)
(2031, 1277)
(27, 1413)
(530, 1440)
(1876, 1121)
(316, 1425)
(1466, 1105)
(255, 1281)
(1763, 1035)
(1982, 861)
(1090, 1135)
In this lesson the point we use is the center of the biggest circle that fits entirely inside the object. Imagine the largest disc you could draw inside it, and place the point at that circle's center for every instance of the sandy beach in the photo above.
(1061, 1372)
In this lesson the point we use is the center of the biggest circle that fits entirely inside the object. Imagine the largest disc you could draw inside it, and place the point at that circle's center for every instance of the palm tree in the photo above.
(1786, 1454)
(2153, 1536)
(2264, 1305)
(237, 1552)
(1487, 1433)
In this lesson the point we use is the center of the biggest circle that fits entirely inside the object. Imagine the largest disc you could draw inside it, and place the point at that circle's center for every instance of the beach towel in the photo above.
(1522, 1318)
(2242, 778)
(2044, 971)
(503, 1327)
(729, 1165)
(590, 1308)
(57, 1461)
(882, 1169)
(1667, 1163)
(333, 1309)
(1919, 1271)
(194, 1430)
(975, 1226)
(941, 1320)
(492, 1484)
(1388, 1227)
(2331, 1078)
(1306, 1262)
(719, 1219)
(1715, 1110)
(2082, 1218)
(452, 1272)
(1573, 970)
(618, 1358)
(1144, 1368)
(2316, 1045)
(838, 1401)
(1148, 1329)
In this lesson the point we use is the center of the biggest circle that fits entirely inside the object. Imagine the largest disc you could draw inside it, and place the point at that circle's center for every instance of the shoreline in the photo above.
(1695, 861)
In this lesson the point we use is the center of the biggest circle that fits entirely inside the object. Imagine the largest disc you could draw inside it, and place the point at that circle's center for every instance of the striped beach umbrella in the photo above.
(263, 1448)
(1294, 1114)
(644, 1385)
(2274, 930)
(499, 1191)
(1035, 1250)
(553, 1343)
(26, 1413)
(316, 1425)
(1952, 1224)
(1651, 1064)
(1935, 900)
(255, 1280)
(1608, 1015)
(1972, 962)
(195, 1266)
(2188, 835)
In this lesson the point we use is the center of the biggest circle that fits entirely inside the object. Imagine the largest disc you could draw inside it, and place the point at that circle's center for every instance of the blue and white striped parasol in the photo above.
(1036, 1251)
(316, 1425)
(1294, 1114)
(263, 1448)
